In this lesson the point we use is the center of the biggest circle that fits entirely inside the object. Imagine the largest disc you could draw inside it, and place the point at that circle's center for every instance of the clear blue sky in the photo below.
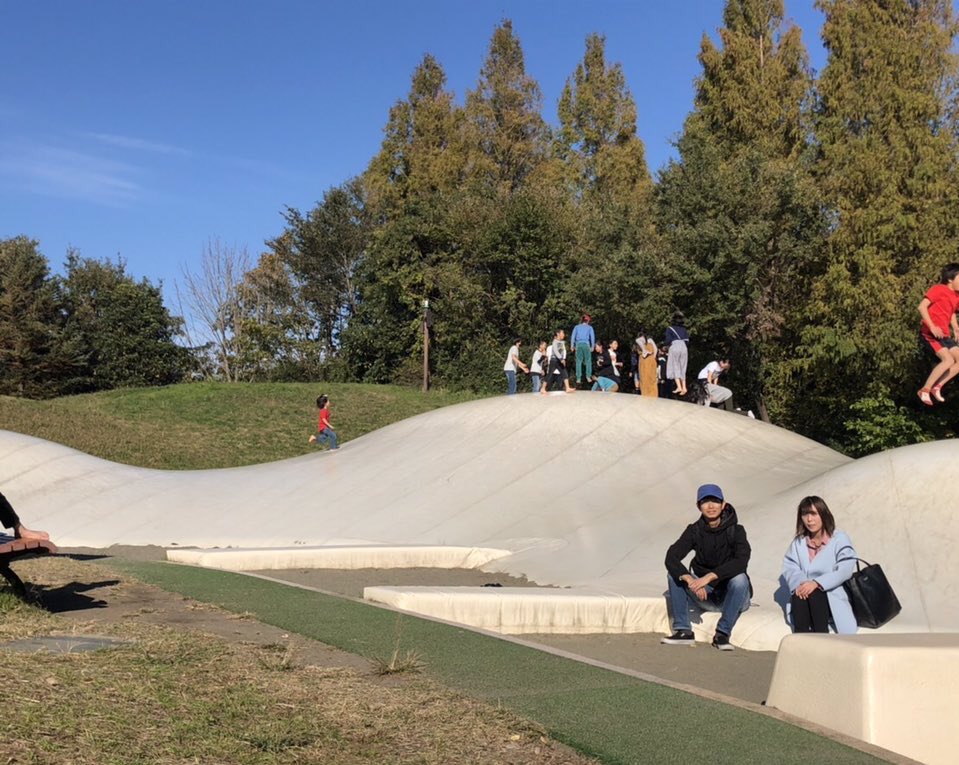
(144, 128)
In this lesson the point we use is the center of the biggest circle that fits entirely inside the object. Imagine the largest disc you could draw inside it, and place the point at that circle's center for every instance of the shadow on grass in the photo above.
(70, 597)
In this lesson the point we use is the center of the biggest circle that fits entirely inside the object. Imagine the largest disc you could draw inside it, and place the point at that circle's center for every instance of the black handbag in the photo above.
(871, 596)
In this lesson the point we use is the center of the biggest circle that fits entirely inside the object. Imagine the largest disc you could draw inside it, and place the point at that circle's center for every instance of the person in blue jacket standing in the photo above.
(583, 339)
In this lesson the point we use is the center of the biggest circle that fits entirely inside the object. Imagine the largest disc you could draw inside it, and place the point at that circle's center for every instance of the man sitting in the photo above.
(718, 581)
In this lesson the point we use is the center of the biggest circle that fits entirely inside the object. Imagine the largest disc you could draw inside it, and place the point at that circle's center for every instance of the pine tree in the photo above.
(616, 267)
(508, 138)
(410, 186)
(36, 359)
(886, 167)
(422, 151)
(597, 135)
(738, 209)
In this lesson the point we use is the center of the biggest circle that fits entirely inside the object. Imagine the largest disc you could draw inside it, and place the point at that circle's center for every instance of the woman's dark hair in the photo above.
(819, 505)
(949, 272)
(321, 401)
(678, 319)
(517, 340)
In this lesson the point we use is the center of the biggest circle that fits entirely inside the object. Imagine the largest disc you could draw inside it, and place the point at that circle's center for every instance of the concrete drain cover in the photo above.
(62, 644)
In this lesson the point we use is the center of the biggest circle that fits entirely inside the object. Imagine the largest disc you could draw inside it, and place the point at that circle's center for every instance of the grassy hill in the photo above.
(212, 425)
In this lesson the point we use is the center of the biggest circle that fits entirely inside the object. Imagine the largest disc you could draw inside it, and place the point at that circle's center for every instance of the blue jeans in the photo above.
(731, 604)
(535, 379)
(511, 382)
(327, 436)
(603, 384)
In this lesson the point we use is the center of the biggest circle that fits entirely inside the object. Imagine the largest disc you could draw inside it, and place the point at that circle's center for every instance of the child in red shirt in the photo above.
(938, 310)
(324, 431)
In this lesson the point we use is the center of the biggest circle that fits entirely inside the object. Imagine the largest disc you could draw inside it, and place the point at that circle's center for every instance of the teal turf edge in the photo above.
(614, 717)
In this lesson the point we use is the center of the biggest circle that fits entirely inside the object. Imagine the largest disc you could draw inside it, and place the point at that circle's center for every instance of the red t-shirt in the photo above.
(324, 420)
(943, 303)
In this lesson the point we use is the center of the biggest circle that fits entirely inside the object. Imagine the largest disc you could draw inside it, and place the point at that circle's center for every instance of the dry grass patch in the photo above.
(173, 695)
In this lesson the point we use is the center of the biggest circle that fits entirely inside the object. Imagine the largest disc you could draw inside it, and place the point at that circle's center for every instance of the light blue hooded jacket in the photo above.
(834, 564)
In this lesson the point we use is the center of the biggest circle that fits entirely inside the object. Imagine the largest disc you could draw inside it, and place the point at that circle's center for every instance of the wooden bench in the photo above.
(15, 549)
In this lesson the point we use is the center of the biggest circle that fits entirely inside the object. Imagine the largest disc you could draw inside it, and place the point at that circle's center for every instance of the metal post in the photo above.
(426, 345)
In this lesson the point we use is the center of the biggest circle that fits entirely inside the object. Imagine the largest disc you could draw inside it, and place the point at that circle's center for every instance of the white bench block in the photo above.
(895, 691)
(519, 610)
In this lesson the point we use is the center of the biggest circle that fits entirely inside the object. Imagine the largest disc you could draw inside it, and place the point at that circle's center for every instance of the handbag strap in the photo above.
(858, 560)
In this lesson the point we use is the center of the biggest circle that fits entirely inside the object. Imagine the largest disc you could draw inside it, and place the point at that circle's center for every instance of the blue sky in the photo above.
(146, 128)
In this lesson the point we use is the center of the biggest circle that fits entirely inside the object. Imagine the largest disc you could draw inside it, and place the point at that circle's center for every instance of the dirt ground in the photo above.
(743, 675)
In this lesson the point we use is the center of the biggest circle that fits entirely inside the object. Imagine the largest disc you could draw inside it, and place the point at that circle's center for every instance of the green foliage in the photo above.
(323, 249)
(37, 359)
(507, 137)
(878, 423)
(886, 167)
(739, 209)
(95, 328)
(798, 228)
(125, 332)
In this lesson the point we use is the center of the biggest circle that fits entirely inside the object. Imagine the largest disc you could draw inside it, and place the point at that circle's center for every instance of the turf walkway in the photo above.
(616, 718)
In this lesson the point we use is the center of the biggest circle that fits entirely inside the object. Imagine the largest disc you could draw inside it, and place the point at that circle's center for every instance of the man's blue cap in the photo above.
(709, 490)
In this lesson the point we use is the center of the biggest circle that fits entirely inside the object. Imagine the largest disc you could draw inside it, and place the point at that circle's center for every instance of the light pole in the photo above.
(427, 323)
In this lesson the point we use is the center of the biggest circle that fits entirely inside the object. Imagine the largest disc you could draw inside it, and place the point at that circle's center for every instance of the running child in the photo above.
(938, 311)
(324, 431)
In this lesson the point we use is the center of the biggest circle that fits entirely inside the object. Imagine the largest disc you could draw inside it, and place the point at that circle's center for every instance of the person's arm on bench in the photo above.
(10, 520)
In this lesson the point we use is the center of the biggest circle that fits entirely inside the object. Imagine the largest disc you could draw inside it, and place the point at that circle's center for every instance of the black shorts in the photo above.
(930, 343)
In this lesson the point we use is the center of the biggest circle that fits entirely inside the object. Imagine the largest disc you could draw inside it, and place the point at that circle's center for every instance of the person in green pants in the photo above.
(583, 339)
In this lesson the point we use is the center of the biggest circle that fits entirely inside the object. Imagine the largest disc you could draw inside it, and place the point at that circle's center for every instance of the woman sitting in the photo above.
(818, 561)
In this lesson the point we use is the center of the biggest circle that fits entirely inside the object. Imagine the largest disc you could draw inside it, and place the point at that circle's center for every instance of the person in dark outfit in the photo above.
(606, 379)
(10, 520)
(716, 579)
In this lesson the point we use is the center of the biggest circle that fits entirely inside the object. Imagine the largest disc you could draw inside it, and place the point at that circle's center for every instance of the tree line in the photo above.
(797, 228)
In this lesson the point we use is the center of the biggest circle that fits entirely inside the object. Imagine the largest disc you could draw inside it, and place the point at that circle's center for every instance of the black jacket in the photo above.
(604, 365)
(723, 551)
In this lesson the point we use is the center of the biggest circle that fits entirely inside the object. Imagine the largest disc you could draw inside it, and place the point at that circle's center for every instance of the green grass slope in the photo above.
(212, 425)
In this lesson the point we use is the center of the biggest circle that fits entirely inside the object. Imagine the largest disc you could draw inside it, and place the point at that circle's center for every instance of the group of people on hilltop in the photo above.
(817, 562)
(654, 370)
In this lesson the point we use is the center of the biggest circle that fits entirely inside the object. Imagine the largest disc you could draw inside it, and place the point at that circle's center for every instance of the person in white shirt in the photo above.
(537, 368)
(513, 361)
(709, 377)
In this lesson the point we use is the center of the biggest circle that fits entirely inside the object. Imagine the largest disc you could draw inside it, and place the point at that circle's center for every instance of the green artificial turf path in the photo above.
(617, 718)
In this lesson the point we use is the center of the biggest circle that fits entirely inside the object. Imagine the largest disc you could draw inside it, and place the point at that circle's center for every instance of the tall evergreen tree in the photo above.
(886, 167)
(36, 359)
(738, 209)
(508, 138)
(597, 138)
(422, 151)
(410, 185)
(616, 267)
